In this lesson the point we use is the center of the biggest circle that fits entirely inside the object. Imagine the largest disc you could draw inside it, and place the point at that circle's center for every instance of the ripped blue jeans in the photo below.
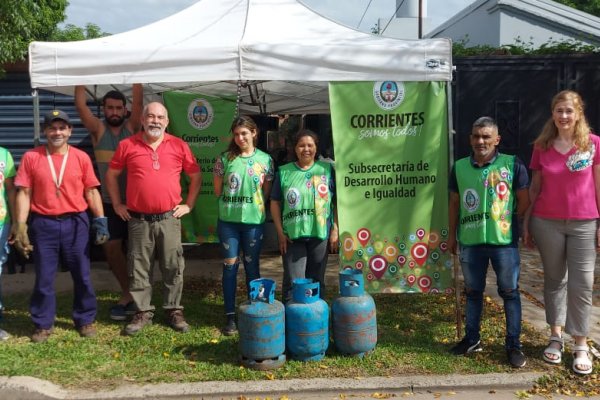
(4, 250)
(235, 237)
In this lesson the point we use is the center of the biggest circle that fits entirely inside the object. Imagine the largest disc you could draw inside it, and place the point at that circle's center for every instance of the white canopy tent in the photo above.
(277, 55)
(274, 56)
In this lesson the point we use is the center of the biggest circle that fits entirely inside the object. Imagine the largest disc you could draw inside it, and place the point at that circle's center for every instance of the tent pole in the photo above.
(36, 117)
(95, 97)
(420, 19)
(238, 98)
(455, 264)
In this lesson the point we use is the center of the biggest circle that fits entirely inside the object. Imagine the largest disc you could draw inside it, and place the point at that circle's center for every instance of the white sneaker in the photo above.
(4, 335)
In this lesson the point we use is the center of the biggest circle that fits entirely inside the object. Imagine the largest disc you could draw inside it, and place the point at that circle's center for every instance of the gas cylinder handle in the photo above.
(262, 289)
(316, 290)
(311, 288)
(305, 289)
(351, 282)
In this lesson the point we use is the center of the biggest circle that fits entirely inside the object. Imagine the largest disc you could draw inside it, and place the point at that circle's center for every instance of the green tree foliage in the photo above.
(588, 6)
(72, 32)
(22, 21)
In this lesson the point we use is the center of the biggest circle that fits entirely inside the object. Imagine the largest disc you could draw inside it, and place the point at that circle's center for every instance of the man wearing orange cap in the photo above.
(56, 185)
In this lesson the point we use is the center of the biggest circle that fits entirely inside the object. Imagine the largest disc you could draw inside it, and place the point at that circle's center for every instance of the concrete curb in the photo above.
(23, 387)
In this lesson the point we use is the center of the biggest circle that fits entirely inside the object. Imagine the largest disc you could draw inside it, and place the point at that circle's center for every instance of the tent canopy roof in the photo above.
(278, 54)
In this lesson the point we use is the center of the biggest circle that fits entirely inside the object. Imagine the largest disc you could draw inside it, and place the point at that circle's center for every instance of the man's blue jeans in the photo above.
(235, 237)
(505, 261)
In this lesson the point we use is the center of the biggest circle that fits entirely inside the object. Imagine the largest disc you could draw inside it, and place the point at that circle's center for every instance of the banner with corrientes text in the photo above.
(391, 159)
(203, 122)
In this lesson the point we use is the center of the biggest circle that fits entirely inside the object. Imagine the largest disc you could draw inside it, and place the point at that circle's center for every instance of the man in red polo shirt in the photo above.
(56, 186)
(154, 161)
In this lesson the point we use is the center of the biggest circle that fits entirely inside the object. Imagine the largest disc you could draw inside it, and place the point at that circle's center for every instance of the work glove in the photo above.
(21, 239)
(100, 230)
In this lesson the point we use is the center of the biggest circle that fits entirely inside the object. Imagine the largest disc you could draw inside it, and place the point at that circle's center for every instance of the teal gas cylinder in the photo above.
(354, 316)
(261, 326)
(306, 322)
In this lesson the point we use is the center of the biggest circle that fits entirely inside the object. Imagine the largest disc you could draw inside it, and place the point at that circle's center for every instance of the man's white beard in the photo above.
(155, 132)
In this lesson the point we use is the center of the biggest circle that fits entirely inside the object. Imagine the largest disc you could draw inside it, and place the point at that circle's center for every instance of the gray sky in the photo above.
(116, 16)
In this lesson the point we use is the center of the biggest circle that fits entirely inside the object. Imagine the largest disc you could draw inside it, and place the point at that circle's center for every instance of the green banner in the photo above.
(203, 122)
(391, 158)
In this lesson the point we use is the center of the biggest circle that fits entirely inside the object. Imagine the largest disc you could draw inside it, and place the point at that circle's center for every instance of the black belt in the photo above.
(57, 217)
(151, 217)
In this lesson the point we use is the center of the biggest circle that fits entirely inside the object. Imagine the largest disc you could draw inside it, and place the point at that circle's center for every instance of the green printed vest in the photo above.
(306, 200)
(242, 199)
(7, 170)
(103, 153)
(486, 201)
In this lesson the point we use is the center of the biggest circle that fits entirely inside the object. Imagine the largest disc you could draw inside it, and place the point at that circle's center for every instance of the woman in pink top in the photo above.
(565, 196)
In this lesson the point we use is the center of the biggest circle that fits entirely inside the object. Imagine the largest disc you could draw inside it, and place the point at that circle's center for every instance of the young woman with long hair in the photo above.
(242, 182)
(562, 222)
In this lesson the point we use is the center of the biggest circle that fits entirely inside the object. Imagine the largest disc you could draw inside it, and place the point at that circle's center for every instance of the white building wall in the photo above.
(535, 22)
(477, 28)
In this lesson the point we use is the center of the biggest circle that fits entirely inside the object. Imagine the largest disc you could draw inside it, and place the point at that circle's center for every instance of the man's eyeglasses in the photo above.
(155, 163)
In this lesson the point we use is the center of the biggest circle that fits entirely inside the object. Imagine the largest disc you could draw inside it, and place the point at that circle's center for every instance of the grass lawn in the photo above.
(415, 333)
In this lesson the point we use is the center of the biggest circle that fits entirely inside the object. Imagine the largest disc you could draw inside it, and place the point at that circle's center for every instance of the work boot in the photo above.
(41, 335)
(177, 321)
(140, 320)
(230, 327)
(87, 331)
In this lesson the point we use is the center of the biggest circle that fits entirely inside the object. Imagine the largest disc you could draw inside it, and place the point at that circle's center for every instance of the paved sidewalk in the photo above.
(532, 296)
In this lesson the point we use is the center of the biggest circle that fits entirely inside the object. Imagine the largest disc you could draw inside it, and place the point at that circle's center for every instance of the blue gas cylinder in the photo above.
(306, 322)
(354, 316)
(261, 326)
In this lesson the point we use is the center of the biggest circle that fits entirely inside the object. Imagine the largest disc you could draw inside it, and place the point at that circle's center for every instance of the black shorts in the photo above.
(116, 226)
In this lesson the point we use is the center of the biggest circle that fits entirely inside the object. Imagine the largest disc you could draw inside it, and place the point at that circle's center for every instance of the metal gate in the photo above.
(16, 115)
(517, 91)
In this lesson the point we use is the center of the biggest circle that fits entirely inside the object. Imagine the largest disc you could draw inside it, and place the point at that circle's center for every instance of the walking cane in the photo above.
(457, 298)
